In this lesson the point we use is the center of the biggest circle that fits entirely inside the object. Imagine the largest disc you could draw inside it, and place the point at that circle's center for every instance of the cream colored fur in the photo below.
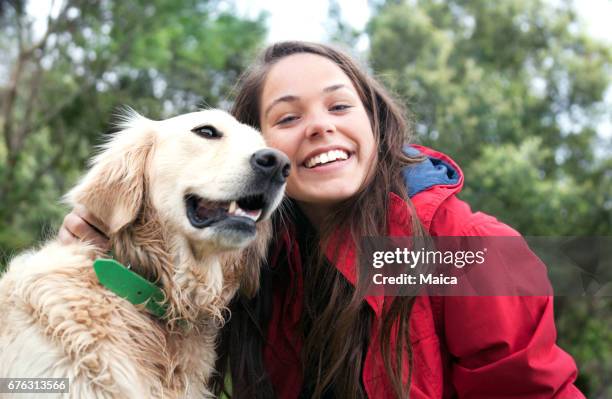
(56, 320)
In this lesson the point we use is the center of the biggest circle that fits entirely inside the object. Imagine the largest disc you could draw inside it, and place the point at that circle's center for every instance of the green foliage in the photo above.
(585, 330)
(483, 79)
(61, 89)
(507, 180)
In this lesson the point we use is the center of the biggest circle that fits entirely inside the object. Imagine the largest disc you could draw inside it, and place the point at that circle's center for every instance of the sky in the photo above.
(305, 20)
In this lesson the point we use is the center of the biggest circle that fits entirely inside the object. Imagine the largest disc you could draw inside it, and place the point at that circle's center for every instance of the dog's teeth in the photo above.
(235, 210)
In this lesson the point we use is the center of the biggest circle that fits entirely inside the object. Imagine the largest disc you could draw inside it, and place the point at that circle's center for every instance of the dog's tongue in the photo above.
(252, 214)
(208, 209)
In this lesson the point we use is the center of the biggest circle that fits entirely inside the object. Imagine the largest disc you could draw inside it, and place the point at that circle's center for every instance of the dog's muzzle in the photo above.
(270, 169)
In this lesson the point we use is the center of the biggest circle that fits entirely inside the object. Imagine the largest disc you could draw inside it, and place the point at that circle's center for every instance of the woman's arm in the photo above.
(80, 224)
(501, 346)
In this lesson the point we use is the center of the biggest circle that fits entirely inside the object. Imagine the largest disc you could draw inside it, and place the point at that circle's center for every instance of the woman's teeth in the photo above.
(326, 157)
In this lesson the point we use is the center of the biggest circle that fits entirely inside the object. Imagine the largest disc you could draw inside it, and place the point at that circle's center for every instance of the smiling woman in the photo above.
(312, 331)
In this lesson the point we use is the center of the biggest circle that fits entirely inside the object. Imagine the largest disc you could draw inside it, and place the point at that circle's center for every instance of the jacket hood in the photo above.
(437, 169)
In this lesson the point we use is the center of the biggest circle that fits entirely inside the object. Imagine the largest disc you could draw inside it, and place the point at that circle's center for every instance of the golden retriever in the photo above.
(187, 201)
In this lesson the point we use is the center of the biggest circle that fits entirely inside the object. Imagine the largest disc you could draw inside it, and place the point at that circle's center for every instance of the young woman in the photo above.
(312, 331)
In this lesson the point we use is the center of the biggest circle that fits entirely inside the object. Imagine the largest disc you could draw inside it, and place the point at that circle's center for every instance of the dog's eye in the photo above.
(207, 131)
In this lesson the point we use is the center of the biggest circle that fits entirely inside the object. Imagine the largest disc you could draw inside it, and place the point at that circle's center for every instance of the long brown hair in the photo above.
(336, 322)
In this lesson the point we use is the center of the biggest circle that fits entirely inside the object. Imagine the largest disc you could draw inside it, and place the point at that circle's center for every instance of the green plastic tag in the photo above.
(129, 285)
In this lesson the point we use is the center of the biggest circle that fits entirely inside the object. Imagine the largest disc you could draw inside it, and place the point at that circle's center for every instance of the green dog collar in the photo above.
(130, 286)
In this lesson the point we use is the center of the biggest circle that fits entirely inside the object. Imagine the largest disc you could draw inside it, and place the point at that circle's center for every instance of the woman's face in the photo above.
(311, 111)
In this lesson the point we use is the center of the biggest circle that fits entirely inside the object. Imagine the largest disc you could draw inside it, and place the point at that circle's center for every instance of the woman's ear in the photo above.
(114, 187)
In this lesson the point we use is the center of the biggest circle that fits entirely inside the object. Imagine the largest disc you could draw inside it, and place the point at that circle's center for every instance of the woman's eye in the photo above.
(340, 107)
(286, 119)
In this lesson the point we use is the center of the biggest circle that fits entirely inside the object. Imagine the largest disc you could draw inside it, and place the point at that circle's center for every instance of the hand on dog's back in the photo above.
(82, 225)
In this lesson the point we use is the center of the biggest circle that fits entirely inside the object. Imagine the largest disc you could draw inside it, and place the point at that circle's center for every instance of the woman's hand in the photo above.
(81, 225)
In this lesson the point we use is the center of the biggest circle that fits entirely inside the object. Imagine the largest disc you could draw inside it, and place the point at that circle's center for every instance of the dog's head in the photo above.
(179, 192)
(215, 177)
(207, 176)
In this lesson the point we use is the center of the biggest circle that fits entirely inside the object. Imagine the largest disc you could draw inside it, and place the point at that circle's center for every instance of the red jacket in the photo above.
(466, 347)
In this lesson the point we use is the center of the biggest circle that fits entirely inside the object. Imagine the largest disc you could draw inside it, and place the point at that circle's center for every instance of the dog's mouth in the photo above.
(203, 213)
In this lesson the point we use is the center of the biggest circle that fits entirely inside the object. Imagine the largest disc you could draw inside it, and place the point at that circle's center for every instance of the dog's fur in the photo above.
(56, 320)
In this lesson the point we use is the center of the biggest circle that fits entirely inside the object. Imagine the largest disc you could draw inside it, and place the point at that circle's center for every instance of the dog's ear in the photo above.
(114, 187)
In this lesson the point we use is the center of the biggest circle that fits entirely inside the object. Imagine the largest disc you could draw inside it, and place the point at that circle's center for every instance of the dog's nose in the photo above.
(272, 163)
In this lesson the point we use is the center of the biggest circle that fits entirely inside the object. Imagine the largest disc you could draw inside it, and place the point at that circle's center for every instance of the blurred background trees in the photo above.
(513, 90)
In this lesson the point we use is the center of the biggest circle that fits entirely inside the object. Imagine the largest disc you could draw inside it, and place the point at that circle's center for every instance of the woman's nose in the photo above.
(319, 125)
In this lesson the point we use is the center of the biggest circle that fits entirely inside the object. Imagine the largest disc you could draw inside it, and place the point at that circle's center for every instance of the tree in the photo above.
(160, 57)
